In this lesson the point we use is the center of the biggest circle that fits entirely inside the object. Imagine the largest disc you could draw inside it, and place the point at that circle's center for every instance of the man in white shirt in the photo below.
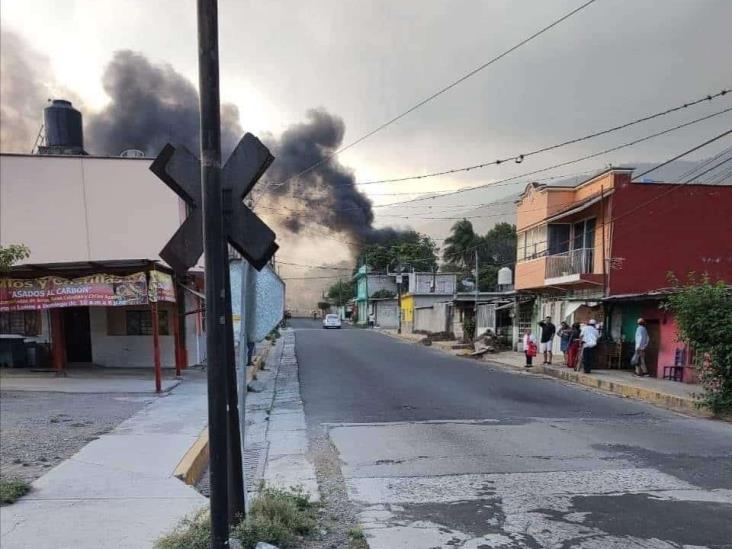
(641, 343)
(589, 336)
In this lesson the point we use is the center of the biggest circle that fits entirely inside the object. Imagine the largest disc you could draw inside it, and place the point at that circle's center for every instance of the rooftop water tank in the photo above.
(505, 276)
(64, 134)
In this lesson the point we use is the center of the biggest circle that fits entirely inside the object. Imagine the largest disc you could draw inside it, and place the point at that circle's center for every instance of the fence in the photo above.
(569, 263)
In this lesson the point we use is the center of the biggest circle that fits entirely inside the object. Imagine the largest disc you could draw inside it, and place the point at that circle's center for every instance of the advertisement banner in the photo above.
(17, 294)
(161, 287)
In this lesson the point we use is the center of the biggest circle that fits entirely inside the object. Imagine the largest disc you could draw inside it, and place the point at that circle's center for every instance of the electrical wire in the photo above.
(521, 157)
(437, 93)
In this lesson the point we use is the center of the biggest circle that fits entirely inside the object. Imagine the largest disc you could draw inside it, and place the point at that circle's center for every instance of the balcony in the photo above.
(570, 265)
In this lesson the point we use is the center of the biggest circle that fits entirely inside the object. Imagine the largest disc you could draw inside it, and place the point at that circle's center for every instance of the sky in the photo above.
(366, 62)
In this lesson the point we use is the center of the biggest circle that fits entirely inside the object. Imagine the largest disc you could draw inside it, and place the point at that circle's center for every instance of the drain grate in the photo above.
(255, 456)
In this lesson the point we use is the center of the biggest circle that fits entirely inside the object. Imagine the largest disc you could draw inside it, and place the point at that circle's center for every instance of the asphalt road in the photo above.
(440, 451)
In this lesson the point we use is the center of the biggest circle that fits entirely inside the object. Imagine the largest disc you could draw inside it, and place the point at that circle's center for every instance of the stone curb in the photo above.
(194, 462)
(657, 398)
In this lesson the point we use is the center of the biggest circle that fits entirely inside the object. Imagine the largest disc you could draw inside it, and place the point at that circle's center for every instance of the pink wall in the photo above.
(668, 340)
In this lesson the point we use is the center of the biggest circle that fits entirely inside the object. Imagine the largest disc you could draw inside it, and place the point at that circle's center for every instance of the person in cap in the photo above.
(641, 344)
(589, 337)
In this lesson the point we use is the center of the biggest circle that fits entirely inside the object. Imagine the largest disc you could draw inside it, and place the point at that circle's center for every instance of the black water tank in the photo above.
(63, 125)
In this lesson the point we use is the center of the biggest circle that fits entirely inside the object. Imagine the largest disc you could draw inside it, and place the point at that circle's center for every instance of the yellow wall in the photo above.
(407, 308)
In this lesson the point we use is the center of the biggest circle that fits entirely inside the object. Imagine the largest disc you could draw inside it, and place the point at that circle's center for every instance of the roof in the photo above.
(81, 268)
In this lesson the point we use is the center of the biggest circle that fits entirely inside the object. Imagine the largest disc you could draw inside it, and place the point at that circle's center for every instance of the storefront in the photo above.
(116, 314)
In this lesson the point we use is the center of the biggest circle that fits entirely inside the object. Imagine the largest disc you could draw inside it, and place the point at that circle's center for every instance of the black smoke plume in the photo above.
(326, 195)
(151, 105)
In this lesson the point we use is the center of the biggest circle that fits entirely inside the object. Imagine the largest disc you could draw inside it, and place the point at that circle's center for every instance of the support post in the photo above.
(58, 345)
(235, 470)
(475, 311)
(215, 264)
(176, 339)
(156, 345)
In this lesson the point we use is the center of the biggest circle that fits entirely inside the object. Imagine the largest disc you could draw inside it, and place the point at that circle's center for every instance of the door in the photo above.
(77, 334)
(654, 335)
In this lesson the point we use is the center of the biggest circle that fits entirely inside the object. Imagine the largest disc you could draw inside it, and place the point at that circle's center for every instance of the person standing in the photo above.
(372, 320)
(641, 344)
(547, 337)
(564, 334)
(574, 345)
(589, 337)
(529, 347)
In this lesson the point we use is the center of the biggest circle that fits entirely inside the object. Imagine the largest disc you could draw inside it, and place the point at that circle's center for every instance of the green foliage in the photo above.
(12, 253)
(495, 250)
(323, 305)
(342, 292)
(703, 312)
(383, 294)
(460, 245)
(12, 489)
(411, 249)
(279, 517)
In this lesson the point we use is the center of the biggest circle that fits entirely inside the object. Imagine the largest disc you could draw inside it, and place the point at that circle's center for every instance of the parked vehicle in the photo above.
(332, 321)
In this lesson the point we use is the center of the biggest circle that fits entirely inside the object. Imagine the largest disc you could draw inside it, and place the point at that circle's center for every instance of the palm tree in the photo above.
(460, 245)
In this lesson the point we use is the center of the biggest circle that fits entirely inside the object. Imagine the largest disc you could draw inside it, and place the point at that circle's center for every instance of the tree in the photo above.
(411, 249)
(460, 245)
(342, 292)
(498, 246)
(383, 294)
(11, 254)
(323, 305)
(704, 317)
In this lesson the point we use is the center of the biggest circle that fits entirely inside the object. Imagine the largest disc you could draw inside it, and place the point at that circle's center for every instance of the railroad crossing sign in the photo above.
(180, 170)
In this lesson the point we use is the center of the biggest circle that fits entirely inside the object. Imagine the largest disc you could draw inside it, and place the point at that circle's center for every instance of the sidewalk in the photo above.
(666, 394)
(119, 490)
(276, 435)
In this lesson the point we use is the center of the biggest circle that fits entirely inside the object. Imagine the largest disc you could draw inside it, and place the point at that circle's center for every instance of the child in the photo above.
(529, 347)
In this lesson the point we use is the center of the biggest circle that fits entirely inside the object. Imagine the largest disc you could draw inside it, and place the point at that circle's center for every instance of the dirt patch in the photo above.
(39, 429)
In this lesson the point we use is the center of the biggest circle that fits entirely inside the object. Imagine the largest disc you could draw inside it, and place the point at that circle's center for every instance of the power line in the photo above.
(437, 93)
(502, 182)
(521, 157)
(684, 154)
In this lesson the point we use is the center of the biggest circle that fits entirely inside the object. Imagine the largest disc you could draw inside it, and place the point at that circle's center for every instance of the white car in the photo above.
(332, 321)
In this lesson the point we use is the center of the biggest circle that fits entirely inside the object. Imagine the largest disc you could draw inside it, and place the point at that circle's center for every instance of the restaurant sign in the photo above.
(101, 290)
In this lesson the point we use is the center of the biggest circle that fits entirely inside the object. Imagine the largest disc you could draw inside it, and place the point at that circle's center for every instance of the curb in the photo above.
(657, 398)
(194, 462)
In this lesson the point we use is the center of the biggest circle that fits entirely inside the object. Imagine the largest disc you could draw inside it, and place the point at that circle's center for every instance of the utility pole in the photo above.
(399, 300)
(475, 329)
(215, 263)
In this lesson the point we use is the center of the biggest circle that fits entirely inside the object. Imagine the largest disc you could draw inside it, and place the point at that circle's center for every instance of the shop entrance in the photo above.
(77, 334)
(654, 343)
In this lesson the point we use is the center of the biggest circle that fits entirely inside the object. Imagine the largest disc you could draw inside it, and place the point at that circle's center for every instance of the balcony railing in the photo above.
(570, 263)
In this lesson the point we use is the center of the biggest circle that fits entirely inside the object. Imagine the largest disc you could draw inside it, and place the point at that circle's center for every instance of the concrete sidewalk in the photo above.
(119, 490)
(672, 395)
(276, 436)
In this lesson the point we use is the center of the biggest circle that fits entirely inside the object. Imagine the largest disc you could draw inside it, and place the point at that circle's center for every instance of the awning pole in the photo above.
(58, 345)
(156, 345)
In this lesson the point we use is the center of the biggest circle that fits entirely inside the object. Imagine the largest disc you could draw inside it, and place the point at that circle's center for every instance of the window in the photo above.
(584, 234)
(559, 238)
(534, 243)
(140, 323)
(24, 323)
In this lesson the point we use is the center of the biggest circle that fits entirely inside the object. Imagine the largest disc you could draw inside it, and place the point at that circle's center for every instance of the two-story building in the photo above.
(424, 290)
(581, 247)
(384, 305)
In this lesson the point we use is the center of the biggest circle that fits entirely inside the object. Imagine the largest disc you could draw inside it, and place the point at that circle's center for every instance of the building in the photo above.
(94, 226)
(581, 246)
(424, 291)
(368, 284)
